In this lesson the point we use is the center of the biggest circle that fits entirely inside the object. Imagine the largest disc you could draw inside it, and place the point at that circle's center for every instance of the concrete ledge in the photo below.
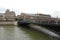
(8, 23)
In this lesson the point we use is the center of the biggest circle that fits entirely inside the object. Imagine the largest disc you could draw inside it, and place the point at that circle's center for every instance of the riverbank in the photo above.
(8, 23)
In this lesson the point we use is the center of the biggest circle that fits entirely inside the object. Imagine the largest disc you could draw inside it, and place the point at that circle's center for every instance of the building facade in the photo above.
(1, 17)
(9, 15)
(39, 18)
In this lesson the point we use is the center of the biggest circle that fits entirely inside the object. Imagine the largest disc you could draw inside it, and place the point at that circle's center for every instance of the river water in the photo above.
(21, 33)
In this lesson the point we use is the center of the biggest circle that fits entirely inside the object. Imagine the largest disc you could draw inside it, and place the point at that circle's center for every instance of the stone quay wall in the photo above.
(8, 23)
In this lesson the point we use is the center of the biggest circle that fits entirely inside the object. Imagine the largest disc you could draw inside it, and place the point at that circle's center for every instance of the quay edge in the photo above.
(8, 23)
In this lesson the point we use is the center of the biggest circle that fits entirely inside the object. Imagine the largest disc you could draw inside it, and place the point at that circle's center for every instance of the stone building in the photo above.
(9, 15)
(36, 17)
(18, 17)
(1, 17)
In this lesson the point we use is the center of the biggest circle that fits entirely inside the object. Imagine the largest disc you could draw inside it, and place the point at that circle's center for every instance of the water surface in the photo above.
(21, 33)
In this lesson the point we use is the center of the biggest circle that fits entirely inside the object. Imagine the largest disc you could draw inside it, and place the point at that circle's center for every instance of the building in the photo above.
(1, 17)
(39, 18)
(18, 17)
(9, 15)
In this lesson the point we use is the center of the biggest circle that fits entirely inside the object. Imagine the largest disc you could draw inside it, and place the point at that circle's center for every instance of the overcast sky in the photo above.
(51, 7)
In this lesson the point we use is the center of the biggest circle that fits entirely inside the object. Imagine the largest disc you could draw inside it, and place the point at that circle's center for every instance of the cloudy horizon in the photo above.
(51, 7)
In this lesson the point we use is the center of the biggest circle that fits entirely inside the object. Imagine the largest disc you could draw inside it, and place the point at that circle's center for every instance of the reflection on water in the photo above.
(20, 33)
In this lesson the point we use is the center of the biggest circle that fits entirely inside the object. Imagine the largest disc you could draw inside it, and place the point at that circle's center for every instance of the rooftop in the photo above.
(38, 14)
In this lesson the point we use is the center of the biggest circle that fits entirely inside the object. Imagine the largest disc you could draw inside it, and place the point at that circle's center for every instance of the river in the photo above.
(21, 33)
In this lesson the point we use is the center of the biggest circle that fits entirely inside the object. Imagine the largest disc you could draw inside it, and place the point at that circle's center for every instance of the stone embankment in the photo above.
(8, 23)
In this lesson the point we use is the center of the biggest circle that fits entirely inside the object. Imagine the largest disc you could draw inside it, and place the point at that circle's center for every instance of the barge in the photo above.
(50, 26)
(55, 27)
